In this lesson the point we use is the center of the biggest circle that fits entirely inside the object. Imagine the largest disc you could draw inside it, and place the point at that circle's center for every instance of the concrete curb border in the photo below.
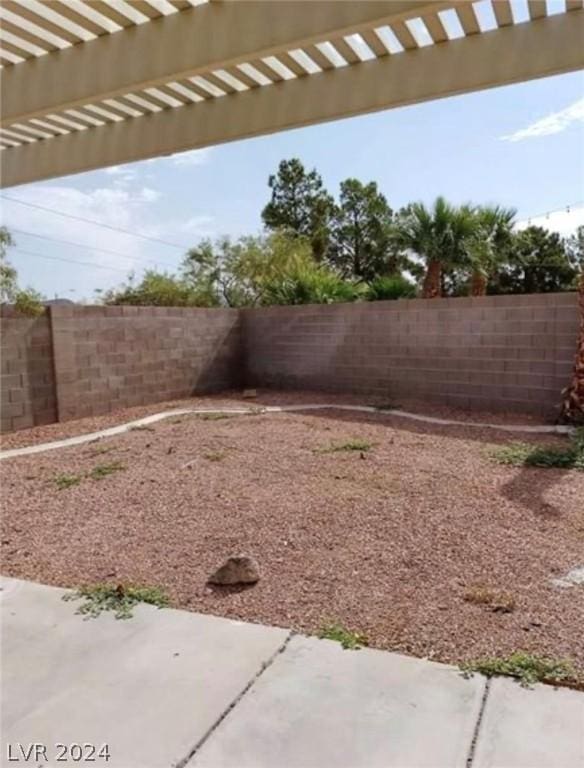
(152, 419)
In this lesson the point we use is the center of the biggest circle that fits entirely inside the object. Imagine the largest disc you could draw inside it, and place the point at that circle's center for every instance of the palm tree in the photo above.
(438, 236)
(488, 244)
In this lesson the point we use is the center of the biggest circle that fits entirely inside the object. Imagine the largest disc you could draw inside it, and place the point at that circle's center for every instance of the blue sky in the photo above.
(520, 146)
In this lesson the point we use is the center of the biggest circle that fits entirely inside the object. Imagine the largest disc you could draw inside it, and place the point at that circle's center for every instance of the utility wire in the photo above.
(96, 223)
(70, 261)
(88, 247)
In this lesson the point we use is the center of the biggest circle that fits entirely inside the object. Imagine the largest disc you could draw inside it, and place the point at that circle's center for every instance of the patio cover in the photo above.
(92, 83)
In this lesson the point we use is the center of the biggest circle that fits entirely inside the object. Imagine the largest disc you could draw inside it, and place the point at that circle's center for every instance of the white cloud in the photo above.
(129, 208)
(556, 122)
(563, 222)
(191, 157)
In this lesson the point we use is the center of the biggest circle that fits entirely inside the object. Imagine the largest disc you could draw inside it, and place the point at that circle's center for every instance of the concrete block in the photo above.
(541, 727)
(319, 706)
(150, 686)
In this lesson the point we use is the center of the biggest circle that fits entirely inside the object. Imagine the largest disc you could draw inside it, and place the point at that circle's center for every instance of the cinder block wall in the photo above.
(114, 357)
(27, 383)
(499, 353)
(510, 353)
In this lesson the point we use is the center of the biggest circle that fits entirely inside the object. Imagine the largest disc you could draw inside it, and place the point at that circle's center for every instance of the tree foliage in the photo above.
(537, 262)
(300, 205)
(8, 276)
(437, 236)
(156, 289)
(361, 241)
(25, 300)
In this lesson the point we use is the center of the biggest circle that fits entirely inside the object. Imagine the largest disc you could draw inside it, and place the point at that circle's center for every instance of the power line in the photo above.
(87, 247)
(564, 209)
(70, 261)
(96, 223)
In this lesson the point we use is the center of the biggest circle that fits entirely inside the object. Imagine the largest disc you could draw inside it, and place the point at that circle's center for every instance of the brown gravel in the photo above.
(387, 543)
(234, 399)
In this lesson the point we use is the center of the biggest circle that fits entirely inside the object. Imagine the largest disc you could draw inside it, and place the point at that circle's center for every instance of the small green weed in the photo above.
(349, 640)
(213, 416)
(351, 445)
(527, 668)
(526, 455)
(142, 428)
(67, 481)
(120, 599)
(103, 470)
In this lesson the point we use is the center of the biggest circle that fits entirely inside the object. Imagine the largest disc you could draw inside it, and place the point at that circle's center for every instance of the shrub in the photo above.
(309, 284)
(28, 302)
(390, 287)
(524, 454)
(158, 289)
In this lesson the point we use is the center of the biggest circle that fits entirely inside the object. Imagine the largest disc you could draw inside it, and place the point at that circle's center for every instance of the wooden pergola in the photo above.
(92, 83)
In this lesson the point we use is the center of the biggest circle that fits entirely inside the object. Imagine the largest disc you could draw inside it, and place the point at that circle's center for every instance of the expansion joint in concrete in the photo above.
(185, 760)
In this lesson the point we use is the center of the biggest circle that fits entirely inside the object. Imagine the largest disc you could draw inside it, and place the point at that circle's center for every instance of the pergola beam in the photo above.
(214, 36)
(548, 46)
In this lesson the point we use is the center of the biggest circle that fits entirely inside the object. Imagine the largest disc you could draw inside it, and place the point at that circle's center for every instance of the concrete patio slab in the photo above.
(173, 689)
(319, 706)
(150, 687)
(541, 727)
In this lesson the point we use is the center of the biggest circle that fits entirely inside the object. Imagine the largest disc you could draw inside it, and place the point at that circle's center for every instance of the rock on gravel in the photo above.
(239, 569)
(573, 578)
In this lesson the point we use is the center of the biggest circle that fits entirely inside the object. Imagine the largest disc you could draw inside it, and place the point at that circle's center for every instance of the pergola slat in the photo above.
(345, 50)
(548, 47)
(191, 43)
(112, 14)
(319, 57)
(468, 20)
(435, 28)
(266, 71)
(292, 64)
(502, 10)
(16, 50)
(77, 18)
(40, 21)
(374, 43)
(242, 76)
(537, 8)
(41, 42)
(146, 9)
(219, 83)
(405, 37)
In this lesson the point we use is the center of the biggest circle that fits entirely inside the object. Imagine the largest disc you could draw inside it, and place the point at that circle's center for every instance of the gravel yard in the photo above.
(396, 539)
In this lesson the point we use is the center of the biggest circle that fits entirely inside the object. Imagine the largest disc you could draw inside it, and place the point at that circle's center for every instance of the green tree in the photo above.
(437, 236)
(156, 289)
(8, 284)
(300, 205)
(27, 301)
(361, 243)
(488, 244)
(236, 272)
(538, 262)
(575, 248)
